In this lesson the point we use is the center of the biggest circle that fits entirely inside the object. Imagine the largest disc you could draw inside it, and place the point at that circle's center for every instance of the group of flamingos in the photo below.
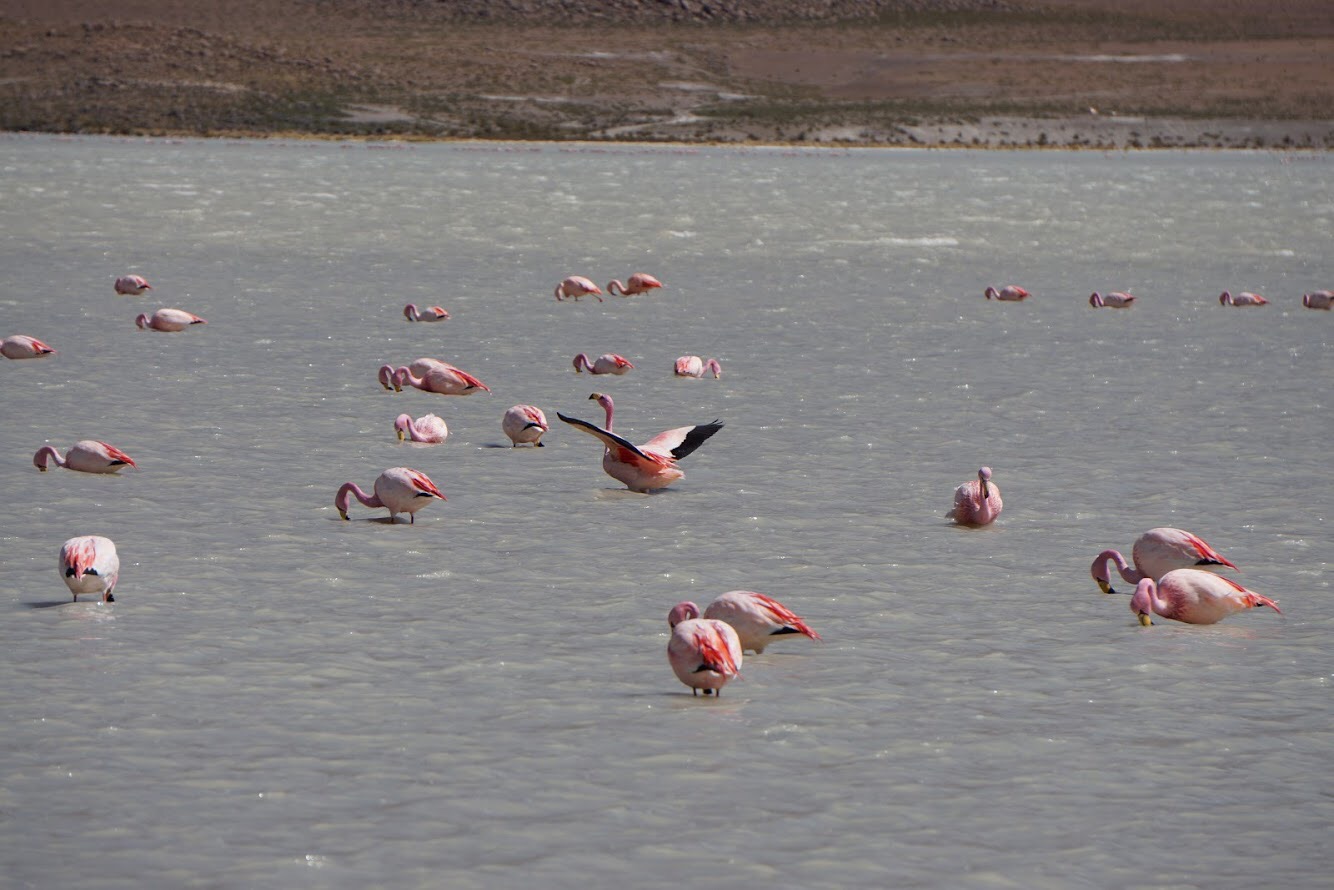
(1174, 571)
(1012, 293)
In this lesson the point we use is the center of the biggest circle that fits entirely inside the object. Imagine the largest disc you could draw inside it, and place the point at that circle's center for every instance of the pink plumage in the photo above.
(977, 503)
(1193, 597)
(704, 653)
(758, 619)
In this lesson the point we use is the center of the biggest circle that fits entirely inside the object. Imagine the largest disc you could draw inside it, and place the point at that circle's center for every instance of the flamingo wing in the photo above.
(682, 440)
(781, 614)
(1208, 555)
(624, 449)
(714, 653)
(424, 486)
(116, 455)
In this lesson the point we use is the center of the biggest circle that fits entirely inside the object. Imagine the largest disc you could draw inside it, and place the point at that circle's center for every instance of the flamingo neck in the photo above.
(142, 321)
(353, 489)
(1128, 573)
(405, 375)
(605, 402)
(46, 452)
(410, 312)
(716, 368)
(615, 286)
(581, 362)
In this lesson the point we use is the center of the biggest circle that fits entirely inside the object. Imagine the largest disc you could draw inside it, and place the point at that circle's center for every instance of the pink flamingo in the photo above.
(652, 465)
(23, 346)
(1245, 298)
(431, 313)
(440, 378)
(428, 428)
(757, 618)
(1318, 299)
(1155, 553)
(704, 653)
(577, 286)
(400, 489)
(977, 503)
(89, 564)
(1116, 300)
(639, 283)
(525, 423)
(132, 285)
(1009, 293)
(694, 366)
(88, 456)
(168, 320)
(609, 363)
(1193, 597)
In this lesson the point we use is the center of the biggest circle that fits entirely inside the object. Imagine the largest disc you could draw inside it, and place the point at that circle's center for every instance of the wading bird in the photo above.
(704, 653)
(89, 564)
(639, 283)
(1155, 553)
(399, 489)
(524, 424)
(169, 320)
(23, 346)
(977, 503)
(88, 456)
(577, 286)
(608, 363)
(1193, 597)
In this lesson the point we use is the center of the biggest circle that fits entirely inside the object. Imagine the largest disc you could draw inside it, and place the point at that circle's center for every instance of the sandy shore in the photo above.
(1078, 73)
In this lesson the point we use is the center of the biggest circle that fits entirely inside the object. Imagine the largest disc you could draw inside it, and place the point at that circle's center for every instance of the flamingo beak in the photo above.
(108, 598)
(1105, 585)
(1145, 620)
(401, 437)
(343, 514)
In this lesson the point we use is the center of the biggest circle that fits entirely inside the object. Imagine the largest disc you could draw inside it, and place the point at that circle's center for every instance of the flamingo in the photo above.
(431, 313)
(89, 564)
(1115, 300)
(694, 366)
(1009, 293)
(525, 423)
(639, 283)
(400, 489)
(168, 320)
(1318, 299)
(1155, 553)
(1193, 597)
(428, 428)
(577, 286)
(704, 653)
(1245, 298)
(757, 618)
(133, 285)
(23, 346)
(652, 465)
(88, 456)
(441, 378)
(977, 503)
(609, 363)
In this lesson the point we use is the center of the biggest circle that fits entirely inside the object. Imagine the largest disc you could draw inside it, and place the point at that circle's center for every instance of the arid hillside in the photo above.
(1092, 73)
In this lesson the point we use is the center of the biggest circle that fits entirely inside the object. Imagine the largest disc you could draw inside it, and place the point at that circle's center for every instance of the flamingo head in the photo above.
(984, 478)
(401, 424)
(1142, 602)
(683, 611)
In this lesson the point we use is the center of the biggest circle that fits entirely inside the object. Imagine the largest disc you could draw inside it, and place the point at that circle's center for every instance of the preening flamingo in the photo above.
(430, 313)
(757, 618)
(523, 424)
(977, 503)
(608, 363)
(652, 465)
(441, 378)
(23, 346)
(89, 564)
(704, 653)
(577, 286)
(1116, 300)
(1318, 299)
(132, 285)
(1155, 553)
(639, 283)
(1009, 293)
(168, 320)
(428, 428)
(1193, 597)
(694, 366)
(1245, 298)
(88, 456)
(400, 489)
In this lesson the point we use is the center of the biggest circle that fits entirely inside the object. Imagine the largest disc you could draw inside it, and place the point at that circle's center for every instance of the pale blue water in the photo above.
(482, 699)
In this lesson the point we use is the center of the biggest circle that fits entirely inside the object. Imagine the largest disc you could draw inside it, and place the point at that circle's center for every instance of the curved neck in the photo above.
(581, 362)
(352, 488)
(405, 375)
(410, 312)
(615, 286)
(716, 368)
(1128, 573)
(43, 454)
(142, 320)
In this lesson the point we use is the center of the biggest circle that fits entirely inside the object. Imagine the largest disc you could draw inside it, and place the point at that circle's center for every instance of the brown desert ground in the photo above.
(977, 73)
